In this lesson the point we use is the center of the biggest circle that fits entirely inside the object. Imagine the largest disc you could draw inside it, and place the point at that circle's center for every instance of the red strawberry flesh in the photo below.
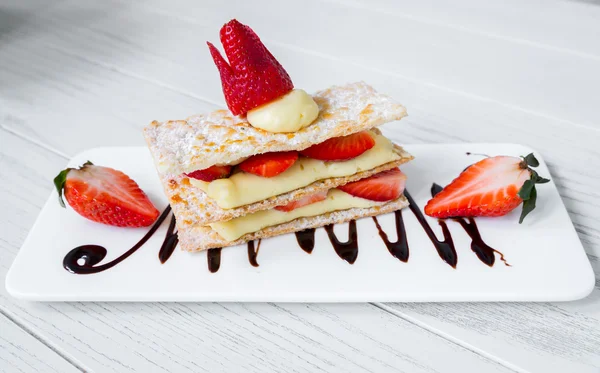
(269, 164)
(252, 77)
(341, 148)
(211, 173)
(304, 201)
(490, 187)
(382, 187)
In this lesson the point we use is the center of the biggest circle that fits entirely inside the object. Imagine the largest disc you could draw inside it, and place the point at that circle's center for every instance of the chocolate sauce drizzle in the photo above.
(398, 249)
(253, 253)
(93, 254)
(306, 239)
(213, 257)
(445, 248)
(170, 242)
(346, 250)
(484, 252)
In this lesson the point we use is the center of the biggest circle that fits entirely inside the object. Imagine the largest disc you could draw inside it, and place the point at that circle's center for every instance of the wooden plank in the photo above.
(21, 352)
(566, 26)
(206, 337)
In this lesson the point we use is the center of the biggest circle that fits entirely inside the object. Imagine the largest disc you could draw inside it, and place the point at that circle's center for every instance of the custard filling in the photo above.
(289, 113)
(243, 188)
(336, 200)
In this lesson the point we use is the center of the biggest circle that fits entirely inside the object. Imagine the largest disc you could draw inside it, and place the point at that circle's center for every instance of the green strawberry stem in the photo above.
(527, 192)
(61, 179)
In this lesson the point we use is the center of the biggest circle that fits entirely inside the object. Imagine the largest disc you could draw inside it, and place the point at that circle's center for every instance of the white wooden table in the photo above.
(78, 74)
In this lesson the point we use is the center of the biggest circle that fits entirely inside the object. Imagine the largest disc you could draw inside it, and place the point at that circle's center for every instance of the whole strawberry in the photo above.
(491, 187)
(105, 195)
(253, 76)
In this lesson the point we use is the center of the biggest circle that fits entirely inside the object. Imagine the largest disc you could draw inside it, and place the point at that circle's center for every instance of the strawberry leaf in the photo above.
(528, 204)
(59, 183)
(526, 189)
(536, 178)
(531, 160)
(61, 179)
(527, 192)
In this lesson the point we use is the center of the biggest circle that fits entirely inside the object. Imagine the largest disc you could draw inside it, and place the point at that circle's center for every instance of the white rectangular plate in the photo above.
(547, 260)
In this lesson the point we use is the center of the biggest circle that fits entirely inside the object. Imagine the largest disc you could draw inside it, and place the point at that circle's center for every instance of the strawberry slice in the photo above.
(491, 187)
(269, 164)
(252, 77)
(341, 148)
(105, 195)
(211, 173)
(306, 200)
(384, 186)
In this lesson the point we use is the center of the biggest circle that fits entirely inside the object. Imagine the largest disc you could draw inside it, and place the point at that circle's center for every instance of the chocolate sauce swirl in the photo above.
(93, 254)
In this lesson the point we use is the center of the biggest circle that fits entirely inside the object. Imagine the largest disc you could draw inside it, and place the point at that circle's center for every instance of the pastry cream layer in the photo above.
(336, 200)
(244, 188)
(289, 113)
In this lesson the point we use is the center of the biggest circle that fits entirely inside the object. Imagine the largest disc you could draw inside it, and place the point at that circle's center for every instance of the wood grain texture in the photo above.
(78, 74)
(519, 22)
(21, 352)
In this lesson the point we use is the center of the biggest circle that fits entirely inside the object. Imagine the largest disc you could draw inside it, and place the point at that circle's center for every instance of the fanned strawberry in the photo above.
(105, 195)
(384, 186)
(491, 187)
(306, 200)
(252, 77)
(341, 148)
(269, 164)
(211, 173)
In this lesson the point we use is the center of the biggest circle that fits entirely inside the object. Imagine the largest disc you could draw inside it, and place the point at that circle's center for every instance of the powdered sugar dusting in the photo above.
(222, 138)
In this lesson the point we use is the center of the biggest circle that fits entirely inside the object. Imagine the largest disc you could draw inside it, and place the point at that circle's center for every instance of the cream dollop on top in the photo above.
(289, 113)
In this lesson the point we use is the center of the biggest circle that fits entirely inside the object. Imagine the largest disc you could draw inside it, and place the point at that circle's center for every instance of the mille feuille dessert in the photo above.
(280, 160)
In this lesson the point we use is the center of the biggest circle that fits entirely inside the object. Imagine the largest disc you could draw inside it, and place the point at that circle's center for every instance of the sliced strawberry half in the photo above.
(105, 195)
(269, 164)
(306, 200)
(341, 148)
(211, 173)
(491, 187)
(252, 77)
(384, 186)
